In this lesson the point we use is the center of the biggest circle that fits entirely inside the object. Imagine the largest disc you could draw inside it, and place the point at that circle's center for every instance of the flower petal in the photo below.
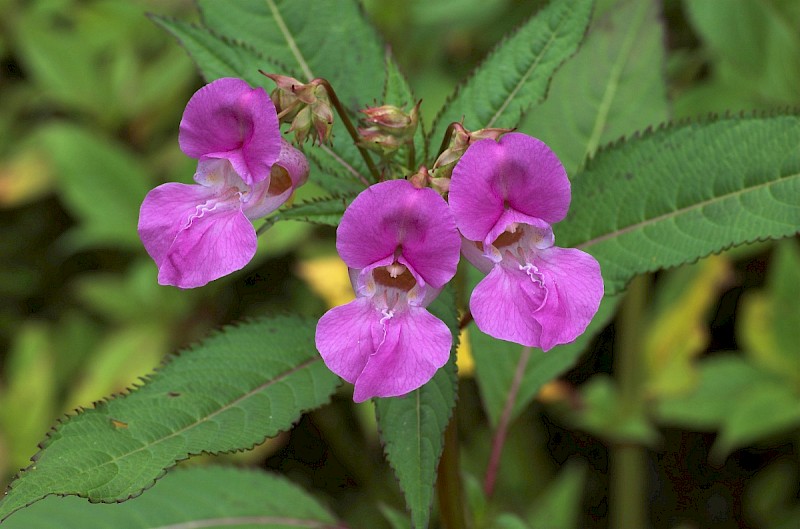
(213, 245)
(165, 211)
(288, 173)
(229, 119)
(395, 214)
(504, 303)
(347, 335)
(517, 172)
(416, 345)
(574, 291)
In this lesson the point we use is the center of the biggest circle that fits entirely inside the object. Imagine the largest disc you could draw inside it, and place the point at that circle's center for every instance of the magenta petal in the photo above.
(518, 172)
(288, 173)
(229, 119)
(574, 291)
(395, 214)
(164, 211)
(416, 345)
(504, 303)
(213, 245)
(347, 335)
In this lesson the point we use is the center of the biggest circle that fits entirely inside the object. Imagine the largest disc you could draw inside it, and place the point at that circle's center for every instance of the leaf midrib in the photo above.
(613, 82)
(284, 29)
(678, 212)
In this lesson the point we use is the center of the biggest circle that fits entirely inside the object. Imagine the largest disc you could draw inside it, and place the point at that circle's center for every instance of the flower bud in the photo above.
(304, 105)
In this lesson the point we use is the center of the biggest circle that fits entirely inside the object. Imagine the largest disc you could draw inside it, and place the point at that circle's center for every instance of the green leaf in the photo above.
(683, 192)
(101, 183)
(613, 86)
(228, 393)
(208, 497)
(768, 328)
(608, 416)
(516, 75)
(327, 211)
(412, 427)
(745, 403)
(497, 362)
(560, 505)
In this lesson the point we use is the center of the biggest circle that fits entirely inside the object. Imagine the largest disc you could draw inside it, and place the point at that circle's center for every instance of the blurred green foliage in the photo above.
(91, 93)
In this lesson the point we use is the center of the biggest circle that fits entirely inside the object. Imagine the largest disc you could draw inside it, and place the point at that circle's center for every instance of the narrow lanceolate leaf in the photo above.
(327, 211)
(685, 191)
(207, 497)
(228, 393)
(516, 75)
(412, 427)
(613, 86)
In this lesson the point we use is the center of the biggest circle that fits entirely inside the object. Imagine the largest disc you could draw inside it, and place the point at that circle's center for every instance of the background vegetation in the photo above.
(91, 93)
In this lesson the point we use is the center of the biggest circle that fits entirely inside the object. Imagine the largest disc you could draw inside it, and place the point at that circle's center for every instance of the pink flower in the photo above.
(198, 233)
(402, 247)
(505, 195)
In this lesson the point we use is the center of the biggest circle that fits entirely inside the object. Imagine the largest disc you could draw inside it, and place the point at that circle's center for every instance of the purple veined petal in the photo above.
(228, 119)
(213, 245)
(395, 214)
(575, 289)
(286, 175)
(503, 305)
(347, 335)
(517, 172)
(415, 346)
(165, 211)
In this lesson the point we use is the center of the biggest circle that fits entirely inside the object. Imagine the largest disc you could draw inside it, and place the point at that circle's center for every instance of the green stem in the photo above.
(448, 484)
(628, 495)
(350, 129)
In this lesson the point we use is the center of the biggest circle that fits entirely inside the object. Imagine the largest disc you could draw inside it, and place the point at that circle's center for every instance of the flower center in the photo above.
(394, 276)
(279, 180)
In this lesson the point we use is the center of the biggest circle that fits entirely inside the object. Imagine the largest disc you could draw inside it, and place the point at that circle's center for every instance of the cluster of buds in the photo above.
(388, 127)
(307, 106)
(460, 141)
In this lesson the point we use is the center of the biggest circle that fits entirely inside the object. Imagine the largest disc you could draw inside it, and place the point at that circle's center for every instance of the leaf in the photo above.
(678, 332)
(497, 362)
(768, 328)
(516, 75)
(209, 497)
(607, 415)
(680, 193)
(559, 506)
(228, 393)
(745, 52)
(745, 403)
(101, 183)
(613, 86)
(412, 427)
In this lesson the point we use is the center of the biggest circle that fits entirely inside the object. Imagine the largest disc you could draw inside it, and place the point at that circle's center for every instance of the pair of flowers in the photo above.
(402, 246)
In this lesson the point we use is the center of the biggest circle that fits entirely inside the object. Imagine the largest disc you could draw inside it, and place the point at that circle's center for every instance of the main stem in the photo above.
(629, 460)
(448, 484)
